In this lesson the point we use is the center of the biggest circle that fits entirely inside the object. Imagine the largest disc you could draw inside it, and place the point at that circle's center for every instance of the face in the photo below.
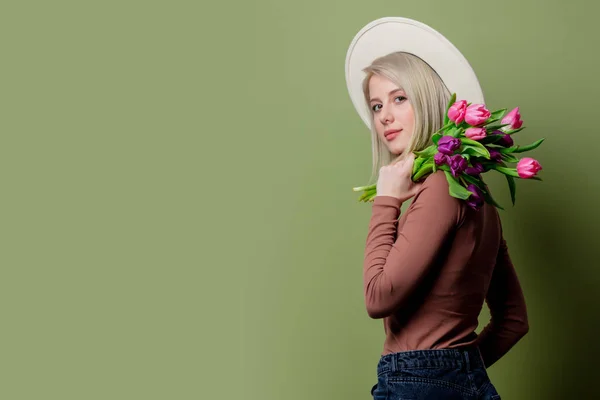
(393, 114)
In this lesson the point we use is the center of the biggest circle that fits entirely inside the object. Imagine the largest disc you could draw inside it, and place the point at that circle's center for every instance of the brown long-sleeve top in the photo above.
(428, 272)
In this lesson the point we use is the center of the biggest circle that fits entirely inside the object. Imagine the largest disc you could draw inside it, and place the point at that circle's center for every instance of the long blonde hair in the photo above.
(426, 92)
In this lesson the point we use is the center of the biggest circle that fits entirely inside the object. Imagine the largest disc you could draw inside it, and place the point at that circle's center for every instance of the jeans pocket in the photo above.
(426, 388)
(379, 390)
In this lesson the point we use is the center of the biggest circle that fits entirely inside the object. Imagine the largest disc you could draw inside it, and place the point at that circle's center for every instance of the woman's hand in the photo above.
(395, 180)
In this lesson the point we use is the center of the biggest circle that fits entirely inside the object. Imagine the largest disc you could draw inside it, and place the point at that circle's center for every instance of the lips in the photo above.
(391, 134)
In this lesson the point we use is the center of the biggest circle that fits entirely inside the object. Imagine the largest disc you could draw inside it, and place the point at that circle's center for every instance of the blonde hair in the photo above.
(426, 93)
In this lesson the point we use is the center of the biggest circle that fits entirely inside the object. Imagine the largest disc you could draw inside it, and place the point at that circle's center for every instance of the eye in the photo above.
(402, 98)
(374, 108)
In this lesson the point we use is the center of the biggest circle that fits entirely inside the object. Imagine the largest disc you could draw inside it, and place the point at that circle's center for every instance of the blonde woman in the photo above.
(427, 270)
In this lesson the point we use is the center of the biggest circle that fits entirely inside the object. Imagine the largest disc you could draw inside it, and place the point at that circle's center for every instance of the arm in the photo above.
(394, 266)
(508, 312)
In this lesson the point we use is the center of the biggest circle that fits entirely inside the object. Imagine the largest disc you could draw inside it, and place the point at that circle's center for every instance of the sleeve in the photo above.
(509, 322)
(394, 266)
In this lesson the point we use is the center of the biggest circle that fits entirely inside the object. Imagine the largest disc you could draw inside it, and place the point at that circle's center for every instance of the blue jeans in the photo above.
(433, 374)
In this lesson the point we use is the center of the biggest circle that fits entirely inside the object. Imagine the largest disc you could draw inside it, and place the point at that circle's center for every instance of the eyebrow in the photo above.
(393, 91)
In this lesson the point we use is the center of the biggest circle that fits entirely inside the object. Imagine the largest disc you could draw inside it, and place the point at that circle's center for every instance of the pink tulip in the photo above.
(456, 112)
(513, 118)
(475, 133)
(477, 114)
(528, 167)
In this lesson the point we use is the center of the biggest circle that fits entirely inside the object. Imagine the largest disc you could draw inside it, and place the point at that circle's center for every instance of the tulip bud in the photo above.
(477, 114)
(528, 167)
(506, 140)
(456, 112)
(475, 133)
(475, 201)
(475, 170)
(440, 158)
(448, 144)
(513, 118)
(495, 155)
(457, 164)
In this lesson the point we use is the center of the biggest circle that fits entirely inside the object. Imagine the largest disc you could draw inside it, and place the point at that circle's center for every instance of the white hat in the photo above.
(391, 34)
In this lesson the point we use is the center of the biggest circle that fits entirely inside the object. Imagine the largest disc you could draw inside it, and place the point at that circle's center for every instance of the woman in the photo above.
(428, 270)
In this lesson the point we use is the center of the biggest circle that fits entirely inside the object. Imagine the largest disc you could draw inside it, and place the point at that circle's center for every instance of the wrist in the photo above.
(388, 199)
(397, 197)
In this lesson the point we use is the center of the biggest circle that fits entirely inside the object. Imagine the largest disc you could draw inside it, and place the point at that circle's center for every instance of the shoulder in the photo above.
(435, 193)
(436, 184)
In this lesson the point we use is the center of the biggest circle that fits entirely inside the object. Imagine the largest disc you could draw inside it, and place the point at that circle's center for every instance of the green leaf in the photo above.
(444, 128)
(507, 150)
(509, 158)
(425, 169)
(512, 187)
(474, 151)
(454, 132)
(490, 139)
(484, 152)
(464, 125)
(450, 102)
(418, 163)
(498, 114)
(473, 180)
(506, 171)
(494, 127)
(521, 149)
(455, 188)
(488, 198)
(436, 137)
(510, 132)
(486, 193)
(427, 152)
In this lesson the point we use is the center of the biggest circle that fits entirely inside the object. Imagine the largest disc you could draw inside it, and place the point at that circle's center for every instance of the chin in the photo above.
(397, 151)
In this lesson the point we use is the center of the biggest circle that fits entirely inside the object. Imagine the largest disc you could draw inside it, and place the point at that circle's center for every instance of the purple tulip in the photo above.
(475, 200)
(476, 169)
(495, 155)
(448, 144)
(506, 141)
(440, 158)
(457, 164)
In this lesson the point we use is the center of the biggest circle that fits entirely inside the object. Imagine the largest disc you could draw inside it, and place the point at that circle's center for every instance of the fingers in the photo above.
(407, 164)
(401, 165)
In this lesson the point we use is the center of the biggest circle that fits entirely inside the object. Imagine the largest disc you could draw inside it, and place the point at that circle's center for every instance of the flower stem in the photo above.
(361, 188)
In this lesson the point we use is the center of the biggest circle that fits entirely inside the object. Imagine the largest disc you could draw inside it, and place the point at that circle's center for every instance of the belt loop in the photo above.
(467, 360)
(394, 363)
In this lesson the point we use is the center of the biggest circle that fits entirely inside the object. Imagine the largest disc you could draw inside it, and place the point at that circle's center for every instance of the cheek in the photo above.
(378, 127)
(409, 119)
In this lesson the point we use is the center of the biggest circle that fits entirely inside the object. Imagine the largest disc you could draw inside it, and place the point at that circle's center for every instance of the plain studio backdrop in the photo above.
(177, 214)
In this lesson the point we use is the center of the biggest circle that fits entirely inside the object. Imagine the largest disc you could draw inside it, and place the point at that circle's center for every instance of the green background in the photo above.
(177, 214)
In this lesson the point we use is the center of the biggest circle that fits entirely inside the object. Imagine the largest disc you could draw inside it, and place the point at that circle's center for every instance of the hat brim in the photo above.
(392, 34)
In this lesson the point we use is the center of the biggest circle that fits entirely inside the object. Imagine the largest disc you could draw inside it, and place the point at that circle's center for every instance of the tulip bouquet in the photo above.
(472, 141)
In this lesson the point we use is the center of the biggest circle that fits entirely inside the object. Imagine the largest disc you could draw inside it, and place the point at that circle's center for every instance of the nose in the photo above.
(385, 116)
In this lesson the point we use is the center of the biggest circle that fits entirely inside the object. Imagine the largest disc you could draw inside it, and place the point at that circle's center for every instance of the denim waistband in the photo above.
(466, 357)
